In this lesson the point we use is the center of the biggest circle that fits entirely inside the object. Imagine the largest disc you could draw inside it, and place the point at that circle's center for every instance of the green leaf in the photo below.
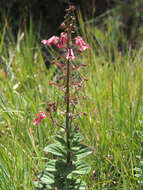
(141, 162)
(59, 140)
(80, 151)
(38, 185)
(51, 166)
(60, 167)
(56, 150)
(47, 178)
(137, 169)
(59, 174)
(76, 138)
(137, 175)
(80, 185)
(81, 168)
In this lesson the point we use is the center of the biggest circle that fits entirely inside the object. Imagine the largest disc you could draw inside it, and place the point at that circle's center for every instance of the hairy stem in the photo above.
(67, 114)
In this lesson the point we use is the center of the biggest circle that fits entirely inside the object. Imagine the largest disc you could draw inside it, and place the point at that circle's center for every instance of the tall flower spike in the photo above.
(52, 40)
(70, 54)
(62, 40)
(41, 115)
(79, 41)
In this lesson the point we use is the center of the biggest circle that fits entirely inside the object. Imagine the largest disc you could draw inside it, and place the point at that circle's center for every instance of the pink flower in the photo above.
(52, 40)
(41, 115)
(44, 41)
(70, 54)
(62, 40)
(79, 41)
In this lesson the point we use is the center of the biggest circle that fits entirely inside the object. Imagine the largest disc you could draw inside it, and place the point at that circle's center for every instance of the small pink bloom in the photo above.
(79, 41)
(70, 54)
(52, 40)
(41, 115)
(44, 41)
(62, 40)
(52, 83)
(84, 97)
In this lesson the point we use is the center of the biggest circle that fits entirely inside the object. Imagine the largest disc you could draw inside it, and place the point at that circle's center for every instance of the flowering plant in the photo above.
(61, 172)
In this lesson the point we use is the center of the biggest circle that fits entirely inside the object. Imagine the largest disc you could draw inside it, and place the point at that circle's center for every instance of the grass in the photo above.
(114, 107)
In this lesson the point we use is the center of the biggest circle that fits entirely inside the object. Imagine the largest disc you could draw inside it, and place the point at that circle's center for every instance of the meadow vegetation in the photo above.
(113, 127)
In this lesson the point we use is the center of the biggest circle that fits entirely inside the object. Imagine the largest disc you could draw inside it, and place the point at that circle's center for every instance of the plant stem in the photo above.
(68, 2)
(67, 114)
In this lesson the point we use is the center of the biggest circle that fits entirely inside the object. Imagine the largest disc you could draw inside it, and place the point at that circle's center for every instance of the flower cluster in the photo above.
(61, 42)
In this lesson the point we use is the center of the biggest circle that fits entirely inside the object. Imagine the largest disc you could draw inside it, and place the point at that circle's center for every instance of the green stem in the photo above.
(67, 114)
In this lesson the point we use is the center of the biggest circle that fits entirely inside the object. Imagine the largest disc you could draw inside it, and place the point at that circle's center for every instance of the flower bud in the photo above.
(71, 115)
(84, 97)
(54, 121)
(84, 113)
(54, 108)
(85, 79)
(51, 104)
(77, 127)
(84, 65)
(47, 109)
(63, 26)
(73, 67)
(72, 7)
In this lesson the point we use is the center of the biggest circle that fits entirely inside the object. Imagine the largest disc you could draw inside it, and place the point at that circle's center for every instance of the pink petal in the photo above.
(44, 41)
(36, 121)
(62, 40)
(52, 40)
(79, 41)
(70, 54)
(41, 115)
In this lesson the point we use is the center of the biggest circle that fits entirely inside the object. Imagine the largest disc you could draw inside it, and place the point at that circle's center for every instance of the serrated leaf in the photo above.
(137, 175)
(80, 185)
(48, 187)
(51, 166)
(139, 157)
(59, 140)
(57, 173)
(138, 169)
(81, 151)
(59, 167)
(38, 185)
(81, 168)
(56, 150)
(141, 162)
(76, 138)
(71, 184)
(47, 178)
